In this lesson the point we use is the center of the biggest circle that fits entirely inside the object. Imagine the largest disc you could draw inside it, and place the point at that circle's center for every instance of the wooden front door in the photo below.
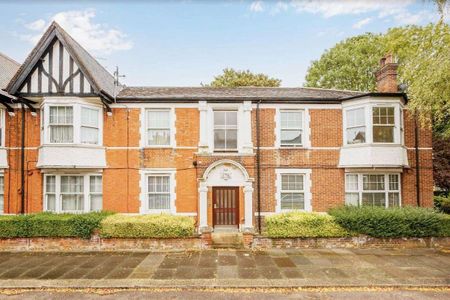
(225, 206)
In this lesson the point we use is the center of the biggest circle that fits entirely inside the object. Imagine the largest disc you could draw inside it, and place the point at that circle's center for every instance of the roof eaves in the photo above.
(378, 94)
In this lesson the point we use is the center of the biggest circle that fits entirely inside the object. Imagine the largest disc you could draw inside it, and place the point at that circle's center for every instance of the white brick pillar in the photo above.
(203, 205)
(246, 127)
(204, 128)
(248, 205)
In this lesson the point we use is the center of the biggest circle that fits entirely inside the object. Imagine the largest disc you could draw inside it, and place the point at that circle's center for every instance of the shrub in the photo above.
(303, 225)
(442, 203)
(147, 226)
(393, 222)
(50, 225)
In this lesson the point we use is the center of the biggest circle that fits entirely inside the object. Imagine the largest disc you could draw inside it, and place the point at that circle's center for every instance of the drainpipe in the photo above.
(416, 145)
(22, 162)
(258, 165)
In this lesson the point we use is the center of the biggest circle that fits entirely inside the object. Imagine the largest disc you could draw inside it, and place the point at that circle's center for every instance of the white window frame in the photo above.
(225, 128)
(144, 209)
(2, 193)
(386, 190)
(306, 143)
(144, 132)
(76, 105)
(355, 126)
(90, 126)
(2, 127)
(368, 117)
(306, 188)
(58, 198)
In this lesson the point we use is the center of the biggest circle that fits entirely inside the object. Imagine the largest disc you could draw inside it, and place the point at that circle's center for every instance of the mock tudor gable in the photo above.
(58, 65)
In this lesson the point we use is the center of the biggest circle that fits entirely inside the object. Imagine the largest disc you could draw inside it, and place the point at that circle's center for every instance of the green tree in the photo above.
(424, 57)
(236, 78)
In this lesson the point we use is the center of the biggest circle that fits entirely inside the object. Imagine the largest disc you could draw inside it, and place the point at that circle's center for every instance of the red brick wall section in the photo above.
(326, 127)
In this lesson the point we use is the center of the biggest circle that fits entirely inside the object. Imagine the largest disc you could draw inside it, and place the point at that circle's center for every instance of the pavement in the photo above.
(213, 269)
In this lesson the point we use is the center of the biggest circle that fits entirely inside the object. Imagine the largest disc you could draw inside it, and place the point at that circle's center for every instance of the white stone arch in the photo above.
(225, 172)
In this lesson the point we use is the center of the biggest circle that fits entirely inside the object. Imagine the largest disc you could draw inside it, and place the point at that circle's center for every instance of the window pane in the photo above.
(355, 117)
(351, 182)
(394, 199)
(61, 115)
(393, 182)
(219, 138)
(158, 184)
(383, 134)
(356, 135)
(89, 117)
(352, 199)
(61, 134)
(291, 137)
(219, 118)
(292, 201)
(72, 202)
(72, 184)
(158, 119)
(373, 199)
(96, 202)
(293, 182)
(51, 202)
(50, 184)
(158, 201)
(373, 182)
(231, 139)
(95, 184)
(383, 115)
(89, 135)
(159, 137)
(291, 119)
(231, 118)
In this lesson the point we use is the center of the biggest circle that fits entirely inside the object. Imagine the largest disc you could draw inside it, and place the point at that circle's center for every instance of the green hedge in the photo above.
(303, 225)
(147, 226)
(442, 203)
(50, 225)
(393, 222)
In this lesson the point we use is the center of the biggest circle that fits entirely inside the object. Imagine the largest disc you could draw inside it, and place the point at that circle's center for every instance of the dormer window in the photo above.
(73, 123)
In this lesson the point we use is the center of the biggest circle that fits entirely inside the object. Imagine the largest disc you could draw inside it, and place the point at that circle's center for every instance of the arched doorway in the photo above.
(226, 185)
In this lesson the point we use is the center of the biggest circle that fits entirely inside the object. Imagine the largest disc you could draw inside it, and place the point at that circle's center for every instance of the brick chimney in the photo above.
(387, 75)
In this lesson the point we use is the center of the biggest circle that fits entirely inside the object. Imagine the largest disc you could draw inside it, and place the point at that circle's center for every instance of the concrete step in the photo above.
(227, 240)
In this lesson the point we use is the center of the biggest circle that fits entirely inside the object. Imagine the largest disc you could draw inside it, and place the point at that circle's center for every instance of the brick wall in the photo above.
(121, 178)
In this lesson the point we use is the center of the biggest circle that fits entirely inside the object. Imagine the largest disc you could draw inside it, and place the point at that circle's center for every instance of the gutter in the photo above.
(258, 164)
(416, 146)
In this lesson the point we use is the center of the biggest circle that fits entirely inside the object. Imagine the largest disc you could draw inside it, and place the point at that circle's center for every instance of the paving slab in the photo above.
(225, 268)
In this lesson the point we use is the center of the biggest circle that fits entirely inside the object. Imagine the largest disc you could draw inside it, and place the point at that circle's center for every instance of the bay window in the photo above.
(291, 131)
(73, 123)
(373, 124)
(72, 193)
(225, 130)
(158, 127)
(372, 189)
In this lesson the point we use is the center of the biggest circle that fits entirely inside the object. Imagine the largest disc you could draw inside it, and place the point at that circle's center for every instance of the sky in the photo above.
(186, 43)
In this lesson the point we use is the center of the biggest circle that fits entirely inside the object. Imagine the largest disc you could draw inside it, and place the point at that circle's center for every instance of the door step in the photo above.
(226, 240)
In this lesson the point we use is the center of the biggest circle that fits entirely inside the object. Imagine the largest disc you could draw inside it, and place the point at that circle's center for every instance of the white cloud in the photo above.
(256, 6)
(407, 18)
(330, 8)
(362, 23)
(37, 25)
(95, 37)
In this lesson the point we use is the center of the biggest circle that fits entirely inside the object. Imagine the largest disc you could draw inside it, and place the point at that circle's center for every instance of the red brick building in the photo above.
(75, 140)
